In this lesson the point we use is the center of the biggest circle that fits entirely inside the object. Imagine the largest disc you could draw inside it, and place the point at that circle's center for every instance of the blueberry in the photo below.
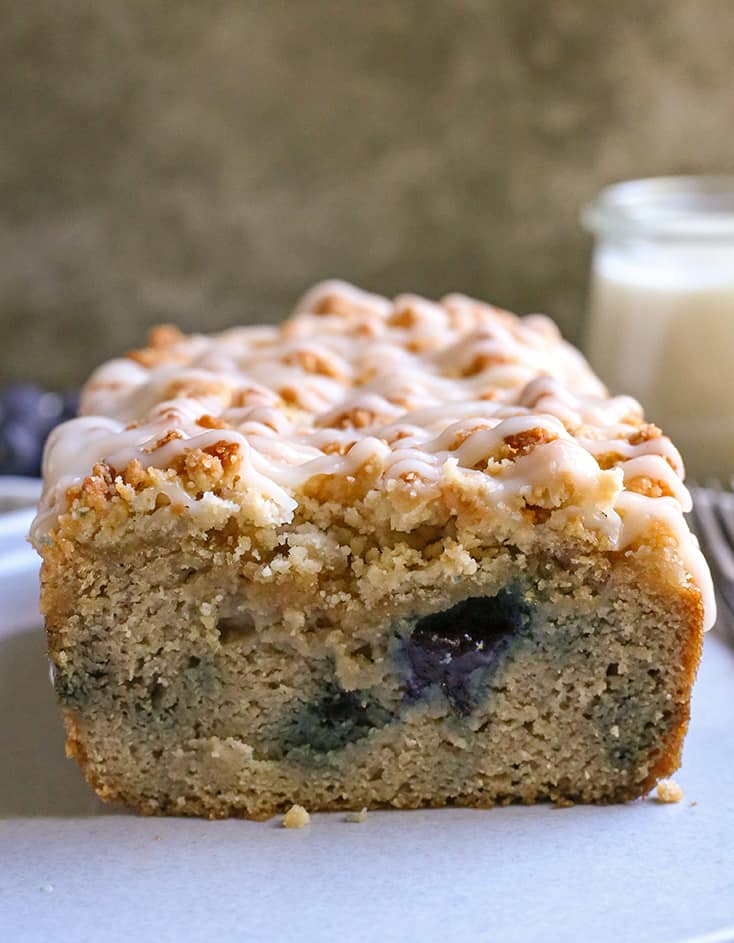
(70, 405)
(446, 650)
(20, 449)
(27, 415)
(19, 400)
(49, 410)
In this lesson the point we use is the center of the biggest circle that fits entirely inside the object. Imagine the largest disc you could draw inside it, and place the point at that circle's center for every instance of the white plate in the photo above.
(73, 869)
(17, 492)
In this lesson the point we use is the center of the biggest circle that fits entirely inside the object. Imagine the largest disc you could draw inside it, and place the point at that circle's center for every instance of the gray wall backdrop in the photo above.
(204, 162)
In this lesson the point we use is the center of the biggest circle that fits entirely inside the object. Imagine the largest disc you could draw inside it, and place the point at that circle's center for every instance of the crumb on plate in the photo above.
(668, 790)
(296, 817)
(360, 816)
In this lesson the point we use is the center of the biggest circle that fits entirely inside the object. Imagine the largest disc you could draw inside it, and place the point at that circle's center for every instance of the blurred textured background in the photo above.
(204, 162)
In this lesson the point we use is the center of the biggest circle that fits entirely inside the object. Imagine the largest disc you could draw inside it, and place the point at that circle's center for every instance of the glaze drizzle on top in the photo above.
(422, 391)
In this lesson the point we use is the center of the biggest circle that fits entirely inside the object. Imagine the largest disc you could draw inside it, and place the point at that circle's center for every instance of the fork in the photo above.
(712, 521)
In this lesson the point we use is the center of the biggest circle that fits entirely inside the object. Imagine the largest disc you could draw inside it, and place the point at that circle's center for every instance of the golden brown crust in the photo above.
(691, 646)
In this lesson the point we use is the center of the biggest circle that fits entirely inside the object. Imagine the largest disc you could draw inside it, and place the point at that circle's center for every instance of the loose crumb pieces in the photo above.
(296, 817)
(360, 816)
(668, 790)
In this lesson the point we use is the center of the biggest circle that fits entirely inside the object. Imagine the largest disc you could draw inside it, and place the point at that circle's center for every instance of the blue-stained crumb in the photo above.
(335, 719)
(451, 651)
(448, 653)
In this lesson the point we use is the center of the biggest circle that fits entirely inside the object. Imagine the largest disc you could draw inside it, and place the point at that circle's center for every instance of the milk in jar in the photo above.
(661, 309)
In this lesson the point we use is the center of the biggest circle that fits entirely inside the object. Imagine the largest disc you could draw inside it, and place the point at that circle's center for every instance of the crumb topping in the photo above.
(420, 401)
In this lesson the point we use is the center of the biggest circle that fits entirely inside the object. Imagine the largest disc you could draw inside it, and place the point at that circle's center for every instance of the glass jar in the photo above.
(661, 308)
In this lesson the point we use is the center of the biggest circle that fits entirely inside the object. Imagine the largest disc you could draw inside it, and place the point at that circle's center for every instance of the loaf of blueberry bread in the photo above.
(388, 553)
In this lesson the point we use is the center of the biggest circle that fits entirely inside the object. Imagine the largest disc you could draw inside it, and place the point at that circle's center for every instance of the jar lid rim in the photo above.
(677, 209)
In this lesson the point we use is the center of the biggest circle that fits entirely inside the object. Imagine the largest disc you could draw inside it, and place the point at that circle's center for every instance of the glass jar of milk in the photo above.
(661, 319)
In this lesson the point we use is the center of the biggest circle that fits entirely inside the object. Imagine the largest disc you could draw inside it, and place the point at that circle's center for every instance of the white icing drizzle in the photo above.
(421, 392)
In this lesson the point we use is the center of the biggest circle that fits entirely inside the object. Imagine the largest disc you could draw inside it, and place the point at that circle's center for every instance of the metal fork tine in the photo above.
(715, 538)
(726, 594)
(706, 524)
(723, 505)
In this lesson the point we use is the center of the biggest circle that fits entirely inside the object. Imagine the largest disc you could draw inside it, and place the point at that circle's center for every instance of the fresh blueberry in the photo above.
(19, 400)
(70, 405)
(27, 415)
(50, 410)
(20, 449)
(446, 650)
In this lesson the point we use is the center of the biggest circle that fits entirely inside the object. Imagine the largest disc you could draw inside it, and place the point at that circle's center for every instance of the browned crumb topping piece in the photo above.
(668, 790)
(296, 817)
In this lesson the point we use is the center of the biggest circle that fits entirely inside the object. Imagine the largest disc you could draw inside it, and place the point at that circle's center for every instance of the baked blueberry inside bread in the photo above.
(388, 553)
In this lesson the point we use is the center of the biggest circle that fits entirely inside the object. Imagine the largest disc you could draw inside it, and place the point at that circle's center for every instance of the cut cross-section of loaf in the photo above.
(387, 553)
